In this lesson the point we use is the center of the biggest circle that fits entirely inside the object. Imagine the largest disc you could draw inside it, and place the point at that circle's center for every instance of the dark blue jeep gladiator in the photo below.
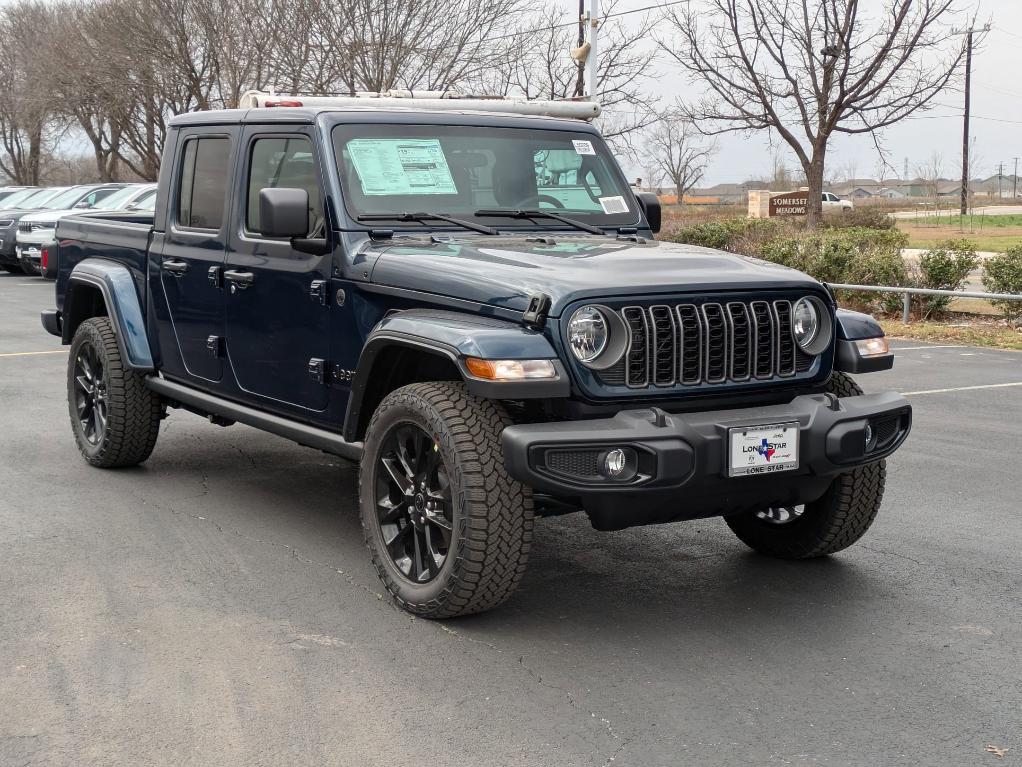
(473, 305)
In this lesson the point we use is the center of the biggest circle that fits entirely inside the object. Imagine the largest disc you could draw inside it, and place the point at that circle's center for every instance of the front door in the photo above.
(278, 308)
(195, 244)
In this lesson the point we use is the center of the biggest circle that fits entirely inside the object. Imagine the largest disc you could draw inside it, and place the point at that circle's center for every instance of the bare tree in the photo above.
(672, 147)
(27, 125)
(932, 173)
(539, 66)
(809, 69)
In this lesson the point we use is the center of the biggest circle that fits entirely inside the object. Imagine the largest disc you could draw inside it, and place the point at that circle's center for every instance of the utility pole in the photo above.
(1014, 181)
(965, 124)
(580, 82)
(594, 28)
(1000, 175)
(965, 130)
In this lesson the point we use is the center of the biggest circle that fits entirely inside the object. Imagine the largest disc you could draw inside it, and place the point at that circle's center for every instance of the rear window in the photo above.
(203, 187)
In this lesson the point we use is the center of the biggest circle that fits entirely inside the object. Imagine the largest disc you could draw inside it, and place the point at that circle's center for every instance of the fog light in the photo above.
(615, 463)
(871, 437)
(619, 464)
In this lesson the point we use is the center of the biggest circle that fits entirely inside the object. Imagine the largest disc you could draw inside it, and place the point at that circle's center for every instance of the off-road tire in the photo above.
(492, 513)
(133, 410)
(29, 269)
(832, 523)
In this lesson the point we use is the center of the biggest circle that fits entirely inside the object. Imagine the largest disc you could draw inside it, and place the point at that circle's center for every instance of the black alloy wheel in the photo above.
(413, 502)
(90, 393)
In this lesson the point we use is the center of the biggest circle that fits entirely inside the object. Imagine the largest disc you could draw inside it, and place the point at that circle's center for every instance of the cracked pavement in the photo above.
(217, 606)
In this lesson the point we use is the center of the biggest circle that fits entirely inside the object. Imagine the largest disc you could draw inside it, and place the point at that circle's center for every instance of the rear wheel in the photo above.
(29, 269)
(114, 416)
(831, 523)
(448, 529)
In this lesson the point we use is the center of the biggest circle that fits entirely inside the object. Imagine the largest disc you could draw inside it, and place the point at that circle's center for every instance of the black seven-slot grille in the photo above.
(708, 343)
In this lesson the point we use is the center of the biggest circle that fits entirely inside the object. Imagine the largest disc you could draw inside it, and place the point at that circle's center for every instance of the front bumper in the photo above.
(683, 471)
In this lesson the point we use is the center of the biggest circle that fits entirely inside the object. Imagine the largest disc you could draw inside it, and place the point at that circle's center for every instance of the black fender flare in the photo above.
(115, 283)
(455, 336)
(852, 327)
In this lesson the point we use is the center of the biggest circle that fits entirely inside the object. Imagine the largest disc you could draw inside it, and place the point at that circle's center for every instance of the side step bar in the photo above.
(303, 434)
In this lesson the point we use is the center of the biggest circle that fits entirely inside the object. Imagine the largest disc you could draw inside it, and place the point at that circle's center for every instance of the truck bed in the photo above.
(116, 236)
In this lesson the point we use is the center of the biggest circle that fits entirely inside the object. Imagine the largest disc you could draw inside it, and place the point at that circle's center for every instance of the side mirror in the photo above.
(283, 212)
(650, 205)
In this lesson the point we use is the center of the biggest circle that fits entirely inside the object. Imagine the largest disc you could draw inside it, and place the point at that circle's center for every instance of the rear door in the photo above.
(277, 298)
(193, 251)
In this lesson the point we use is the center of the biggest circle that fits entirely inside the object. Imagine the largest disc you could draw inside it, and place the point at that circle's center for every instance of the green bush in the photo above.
(852, 256)
(860, 218)
(944, 267)
(728, 234)
(1003, 274)
(856, 255)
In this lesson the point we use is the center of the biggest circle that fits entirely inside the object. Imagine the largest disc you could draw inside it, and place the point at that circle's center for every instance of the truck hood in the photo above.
(51, 215)
(504, 270)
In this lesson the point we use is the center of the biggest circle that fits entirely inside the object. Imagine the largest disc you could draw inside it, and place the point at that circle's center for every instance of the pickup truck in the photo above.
(466, 297)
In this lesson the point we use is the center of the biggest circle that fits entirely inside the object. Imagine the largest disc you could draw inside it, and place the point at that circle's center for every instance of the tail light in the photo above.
(44, 259)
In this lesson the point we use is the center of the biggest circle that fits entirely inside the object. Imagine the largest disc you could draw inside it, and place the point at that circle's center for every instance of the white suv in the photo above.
(832, 202)
(37, 229)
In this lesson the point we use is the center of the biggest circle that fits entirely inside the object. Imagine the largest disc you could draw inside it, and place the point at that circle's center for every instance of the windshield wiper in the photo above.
(422, 217)
(512, 213)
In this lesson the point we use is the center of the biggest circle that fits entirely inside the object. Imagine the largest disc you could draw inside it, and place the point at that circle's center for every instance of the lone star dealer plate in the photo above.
(763, 449)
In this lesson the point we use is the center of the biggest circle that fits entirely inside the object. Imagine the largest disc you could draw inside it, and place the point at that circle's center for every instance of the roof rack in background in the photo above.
(431, 100)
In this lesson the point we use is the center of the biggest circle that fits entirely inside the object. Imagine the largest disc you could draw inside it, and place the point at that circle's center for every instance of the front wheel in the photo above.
(448, 529)
(825, 526)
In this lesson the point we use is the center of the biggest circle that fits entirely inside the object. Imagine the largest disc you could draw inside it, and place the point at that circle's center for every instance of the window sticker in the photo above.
(401, 166)
(583, 147)
(612, 205)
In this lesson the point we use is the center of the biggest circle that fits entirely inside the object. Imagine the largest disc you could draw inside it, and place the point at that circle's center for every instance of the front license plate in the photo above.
(763, 449)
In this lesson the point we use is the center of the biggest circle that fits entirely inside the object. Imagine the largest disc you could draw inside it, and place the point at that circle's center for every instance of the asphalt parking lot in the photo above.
(217, 607)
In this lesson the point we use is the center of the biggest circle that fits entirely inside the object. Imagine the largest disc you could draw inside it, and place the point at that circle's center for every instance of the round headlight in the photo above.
(588, 333)
(805, 323)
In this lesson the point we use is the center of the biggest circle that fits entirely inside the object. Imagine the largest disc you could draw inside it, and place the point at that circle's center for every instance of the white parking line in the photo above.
(916, 348)
(33, 354)
(963, 388)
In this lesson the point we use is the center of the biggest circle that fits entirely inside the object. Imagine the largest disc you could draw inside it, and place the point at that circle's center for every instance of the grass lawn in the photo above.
(988, 233)
(968, 333)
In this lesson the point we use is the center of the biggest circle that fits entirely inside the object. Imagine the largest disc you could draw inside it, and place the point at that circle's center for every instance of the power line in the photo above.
(1008, 32)
(574, 22)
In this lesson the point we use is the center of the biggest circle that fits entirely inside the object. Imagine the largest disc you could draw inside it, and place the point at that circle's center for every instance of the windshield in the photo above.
(15, 200)
(66, 199)
(461, 170)
(33, 201)
(145, 202)
(116, 200)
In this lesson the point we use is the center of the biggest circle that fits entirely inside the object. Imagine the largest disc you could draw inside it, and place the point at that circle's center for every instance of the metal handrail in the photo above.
(907, 294)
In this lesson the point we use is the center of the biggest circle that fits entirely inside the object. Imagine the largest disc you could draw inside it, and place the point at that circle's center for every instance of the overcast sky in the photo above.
(997, 93)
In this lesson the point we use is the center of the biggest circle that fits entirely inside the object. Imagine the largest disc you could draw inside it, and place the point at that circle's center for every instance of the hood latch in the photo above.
(535, 316)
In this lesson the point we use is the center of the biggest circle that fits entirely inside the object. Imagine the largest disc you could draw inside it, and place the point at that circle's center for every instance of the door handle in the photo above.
(175, 268)
(239, 280)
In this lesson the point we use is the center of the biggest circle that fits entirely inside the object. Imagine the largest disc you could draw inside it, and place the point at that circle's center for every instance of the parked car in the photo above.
(36, 228)
(400, 283)
(832, 202)
(132, 198)
(16, 206)
(8, 191)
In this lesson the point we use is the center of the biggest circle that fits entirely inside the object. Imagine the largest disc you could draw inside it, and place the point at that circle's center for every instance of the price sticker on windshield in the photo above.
(583, 147)
(612, 205)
